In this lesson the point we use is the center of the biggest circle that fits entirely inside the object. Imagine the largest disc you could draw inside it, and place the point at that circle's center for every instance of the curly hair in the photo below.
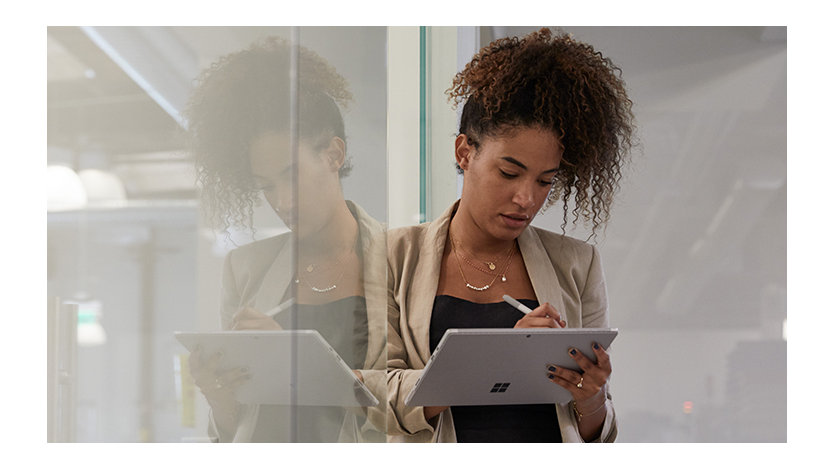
(553, 82)
(244, 95)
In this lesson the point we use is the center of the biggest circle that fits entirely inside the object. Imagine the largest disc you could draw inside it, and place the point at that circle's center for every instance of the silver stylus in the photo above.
(515, 303)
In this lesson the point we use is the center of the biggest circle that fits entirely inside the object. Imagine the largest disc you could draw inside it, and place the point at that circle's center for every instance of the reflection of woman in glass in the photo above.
(240, 122)
(545, 119)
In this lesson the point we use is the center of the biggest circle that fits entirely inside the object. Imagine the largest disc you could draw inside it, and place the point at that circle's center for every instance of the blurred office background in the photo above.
(695, 253)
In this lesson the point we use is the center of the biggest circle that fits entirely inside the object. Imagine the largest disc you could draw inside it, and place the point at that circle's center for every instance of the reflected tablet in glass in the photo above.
(295, 367)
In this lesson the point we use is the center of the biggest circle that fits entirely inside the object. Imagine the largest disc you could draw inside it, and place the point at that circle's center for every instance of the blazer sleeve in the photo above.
(594, 301)
(402, 419)
(230, 295)
(229, 301)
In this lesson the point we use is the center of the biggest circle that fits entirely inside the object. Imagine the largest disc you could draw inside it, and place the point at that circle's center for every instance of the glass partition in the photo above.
(216, 223)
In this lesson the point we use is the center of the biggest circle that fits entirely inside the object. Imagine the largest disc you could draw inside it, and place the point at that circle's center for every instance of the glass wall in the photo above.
(205, 181)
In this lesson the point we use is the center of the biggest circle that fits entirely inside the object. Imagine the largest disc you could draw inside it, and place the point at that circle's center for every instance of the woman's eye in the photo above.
(545, 183)
(507, 175)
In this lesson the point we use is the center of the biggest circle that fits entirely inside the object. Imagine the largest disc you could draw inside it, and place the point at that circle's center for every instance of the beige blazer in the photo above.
(258, 274)
(564, 271)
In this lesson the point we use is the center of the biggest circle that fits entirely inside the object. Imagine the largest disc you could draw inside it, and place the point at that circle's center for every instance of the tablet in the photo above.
(289, 367)
(502, 366)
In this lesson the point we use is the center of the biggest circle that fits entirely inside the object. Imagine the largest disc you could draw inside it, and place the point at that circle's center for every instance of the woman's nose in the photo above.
(524, 196)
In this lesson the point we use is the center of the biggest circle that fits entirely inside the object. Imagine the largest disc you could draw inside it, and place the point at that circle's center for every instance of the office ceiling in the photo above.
(93, 105)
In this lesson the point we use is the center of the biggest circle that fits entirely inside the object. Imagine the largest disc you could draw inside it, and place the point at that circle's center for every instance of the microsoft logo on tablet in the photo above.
(500, 387)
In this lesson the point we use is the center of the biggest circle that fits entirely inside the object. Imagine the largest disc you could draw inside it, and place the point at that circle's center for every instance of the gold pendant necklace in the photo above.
(491, 266)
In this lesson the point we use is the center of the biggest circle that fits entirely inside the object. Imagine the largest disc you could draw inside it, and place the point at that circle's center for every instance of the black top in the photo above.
(492, 423)
(344, 325)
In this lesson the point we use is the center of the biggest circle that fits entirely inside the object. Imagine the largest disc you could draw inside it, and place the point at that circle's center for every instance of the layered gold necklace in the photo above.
(488, 267)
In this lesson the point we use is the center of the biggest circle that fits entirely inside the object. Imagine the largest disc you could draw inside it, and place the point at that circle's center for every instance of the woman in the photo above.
(329, 266)
(545, 118)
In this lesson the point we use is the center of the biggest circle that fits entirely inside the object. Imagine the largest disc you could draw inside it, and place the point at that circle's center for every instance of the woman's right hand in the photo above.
(247, 318)
(544, 316)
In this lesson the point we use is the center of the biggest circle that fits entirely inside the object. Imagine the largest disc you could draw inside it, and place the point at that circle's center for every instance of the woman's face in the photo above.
(318, 180)
(506, 181)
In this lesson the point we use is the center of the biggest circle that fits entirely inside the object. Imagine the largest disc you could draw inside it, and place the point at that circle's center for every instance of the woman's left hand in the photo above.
(585, 385)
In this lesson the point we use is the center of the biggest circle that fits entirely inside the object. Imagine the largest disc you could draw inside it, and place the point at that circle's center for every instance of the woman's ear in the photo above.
(464, 151)
(335, 153)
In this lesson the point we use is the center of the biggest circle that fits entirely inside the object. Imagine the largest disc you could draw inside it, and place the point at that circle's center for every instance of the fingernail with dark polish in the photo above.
(596, 345)
(550, 376)
(572, 352)
(551, 369)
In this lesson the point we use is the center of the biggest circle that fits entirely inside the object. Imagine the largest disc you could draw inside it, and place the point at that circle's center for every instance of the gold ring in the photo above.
(579, 385)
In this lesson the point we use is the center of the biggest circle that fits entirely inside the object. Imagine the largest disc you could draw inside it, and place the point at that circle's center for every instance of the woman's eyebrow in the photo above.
(523, 166)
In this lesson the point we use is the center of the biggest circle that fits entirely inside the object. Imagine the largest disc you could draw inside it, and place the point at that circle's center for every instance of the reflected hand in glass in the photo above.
(217, 385)
(248, 318)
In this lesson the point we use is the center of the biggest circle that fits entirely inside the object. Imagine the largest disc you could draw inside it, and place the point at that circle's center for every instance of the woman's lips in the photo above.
(515, 220)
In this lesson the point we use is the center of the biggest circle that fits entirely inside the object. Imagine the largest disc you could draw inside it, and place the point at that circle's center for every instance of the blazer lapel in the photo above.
(278, 277)
(426, 277)
(541, 271)
(374, 265)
